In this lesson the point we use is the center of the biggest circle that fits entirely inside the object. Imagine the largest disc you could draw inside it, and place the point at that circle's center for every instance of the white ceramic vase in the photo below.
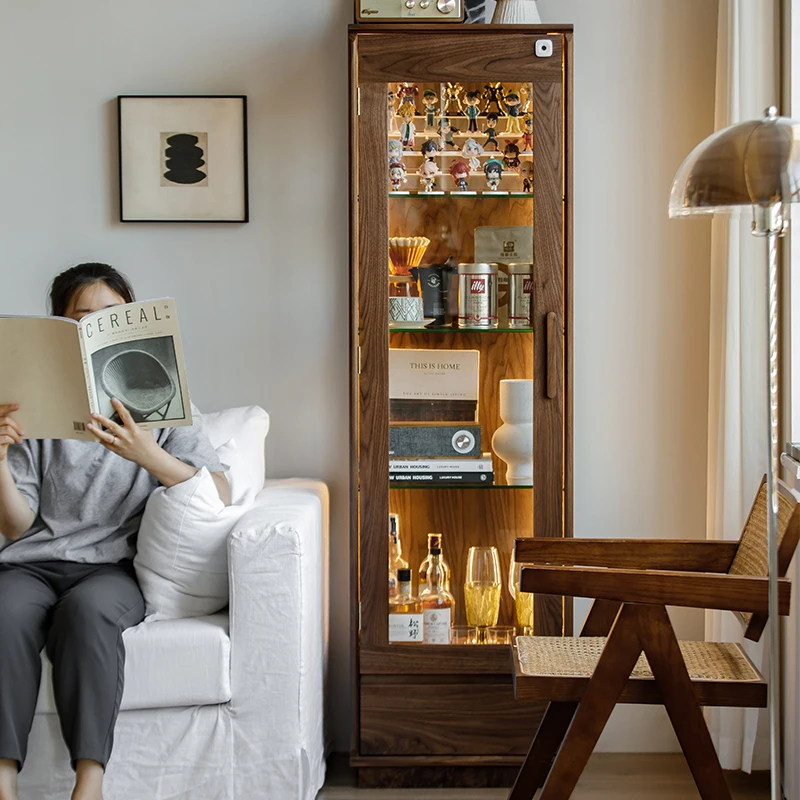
(516, 12)
(513, 440)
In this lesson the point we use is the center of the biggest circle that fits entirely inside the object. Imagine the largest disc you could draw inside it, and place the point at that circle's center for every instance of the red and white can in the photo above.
(477, 296)
(520, 295)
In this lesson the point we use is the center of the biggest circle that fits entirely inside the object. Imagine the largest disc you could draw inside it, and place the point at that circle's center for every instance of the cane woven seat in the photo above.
(140, 381)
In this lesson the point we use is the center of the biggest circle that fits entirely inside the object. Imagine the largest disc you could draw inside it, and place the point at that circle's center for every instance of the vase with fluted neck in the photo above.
(516, 12)
(513, 440)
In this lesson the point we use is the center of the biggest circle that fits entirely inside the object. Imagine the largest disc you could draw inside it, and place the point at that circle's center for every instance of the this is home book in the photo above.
(61, 371)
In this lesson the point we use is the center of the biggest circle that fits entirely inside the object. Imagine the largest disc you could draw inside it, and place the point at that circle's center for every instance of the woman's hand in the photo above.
(10, 431)
(127, 440)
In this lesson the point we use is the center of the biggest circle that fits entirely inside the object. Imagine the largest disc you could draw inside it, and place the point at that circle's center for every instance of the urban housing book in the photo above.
(61, 371)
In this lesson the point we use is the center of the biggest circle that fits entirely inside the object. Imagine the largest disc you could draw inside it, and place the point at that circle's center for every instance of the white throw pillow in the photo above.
(249, 426)
(182, 550)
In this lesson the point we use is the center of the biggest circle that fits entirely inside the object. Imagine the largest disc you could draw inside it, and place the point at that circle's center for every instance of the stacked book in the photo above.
(436, 471)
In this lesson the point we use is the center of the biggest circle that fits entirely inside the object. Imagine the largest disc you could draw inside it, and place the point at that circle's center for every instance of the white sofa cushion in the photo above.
(249, 426)
(172, 663)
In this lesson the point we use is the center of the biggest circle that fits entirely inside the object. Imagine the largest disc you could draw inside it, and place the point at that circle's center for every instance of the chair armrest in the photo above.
(692, 589)
(689, 555)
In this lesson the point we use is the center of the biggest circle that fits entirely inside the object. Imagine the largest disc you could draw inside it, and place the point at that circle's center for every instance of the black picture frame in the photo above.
(201, 142)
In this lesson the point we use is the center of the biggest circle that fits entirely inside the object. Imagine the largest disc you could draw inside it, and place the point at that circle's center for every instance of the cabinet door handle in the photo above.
(552, 355)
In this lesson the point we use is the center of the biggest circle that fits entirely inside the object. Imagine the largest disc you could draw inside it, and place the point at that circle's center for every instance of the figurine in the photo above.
(511, 155)
(395, 151)
(407, 93)
(407, 129)
(427, 175)
(527, 137)
(429, 101)
(493, 93)
(429, 149)
(471, 111)
(493, 170)
(472, 150)
(525, 95)
(511, 102)
(397, 174)
(491, 132)
(451, 95)
(459, 170)
(391, 117)
(525, 171)
(446, 131)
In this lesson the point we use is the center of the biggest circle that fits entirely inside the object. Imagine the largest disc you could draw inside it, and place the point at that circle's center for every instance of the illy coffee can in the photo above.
(477, 296)
(520, 295)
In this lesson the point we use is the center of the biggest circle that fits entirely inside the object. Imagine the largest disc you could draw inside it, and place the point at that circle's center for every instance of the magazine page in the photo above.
(133, 352)
(41, 368)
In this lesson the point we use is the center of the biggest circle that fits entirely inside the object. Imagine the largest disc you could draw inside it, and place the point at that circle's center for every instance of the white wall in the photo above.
(264, 306)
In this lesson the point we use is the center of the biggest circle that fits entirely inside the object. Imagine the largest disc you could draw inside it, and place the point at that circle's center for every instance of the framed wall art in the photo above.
(183, 158)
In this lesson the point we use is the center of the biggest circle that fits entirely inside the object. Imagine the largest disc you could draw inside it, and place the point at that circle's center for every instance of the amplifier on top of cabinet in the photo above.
(409, 10)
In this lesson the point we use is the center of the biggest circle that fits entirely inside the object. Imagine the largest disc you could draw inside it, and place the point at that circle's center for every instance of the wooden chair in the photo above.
(627, 651)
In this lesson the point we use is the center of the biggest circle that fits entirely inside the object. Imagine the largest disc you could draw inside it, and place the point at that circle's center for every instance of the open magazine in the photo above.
(61, 371)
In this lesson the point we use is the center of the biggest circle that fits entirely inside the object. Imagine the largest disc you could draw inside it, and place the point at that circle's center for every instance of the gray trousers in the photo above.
(78, 613)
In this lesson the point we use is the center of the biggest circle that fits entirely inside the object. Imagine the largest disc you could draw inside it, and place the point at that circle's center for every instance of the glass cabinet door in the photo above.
(459, 320)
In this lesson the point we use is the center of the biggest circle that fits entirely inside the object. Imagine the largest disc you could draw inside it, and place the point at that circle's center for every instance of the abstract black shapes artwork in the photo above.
(184, 159)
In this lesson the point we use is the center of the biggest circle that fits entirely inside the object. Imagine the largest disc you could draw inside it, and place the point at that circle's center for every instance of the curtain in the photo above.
(747, 83)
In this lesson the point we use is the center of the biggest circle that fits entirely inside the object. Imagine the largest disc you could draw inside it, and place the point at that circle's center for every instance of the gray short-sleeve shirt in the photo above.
(89, 501)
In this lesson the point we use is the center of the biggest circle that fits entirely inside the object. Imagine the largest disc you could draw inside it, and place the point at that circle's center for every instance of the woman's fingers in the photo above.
(8, 408)
(106, 437)
(9, 436)
(11, 423)
(124, 414)
(116, 430)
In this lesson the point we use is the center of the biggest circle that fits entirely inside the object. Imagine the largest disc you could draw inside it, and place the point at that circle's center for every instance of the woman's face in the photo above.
(89, 299)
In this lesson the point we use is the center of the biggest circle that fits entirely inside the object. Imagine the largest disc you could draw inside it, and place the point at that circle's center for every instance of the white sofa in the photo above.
(229, 706)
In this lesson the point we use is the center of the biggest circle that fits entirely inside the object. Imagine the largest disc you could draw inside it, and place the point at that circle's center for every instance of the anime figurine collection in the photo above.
(397, 175)
(525, 171)
(391, 117)
(511, 102)
(446, 131)
(407, 130)
(429, 149)
(452, 97)
(407, 93)
(525, 96)
(471, 110)
(493, 93)
(511, 155)
(527, 136)
(472, 150)
(491, 132)
(429, 102)
(427, 175)
(459, 170)
(493, 170)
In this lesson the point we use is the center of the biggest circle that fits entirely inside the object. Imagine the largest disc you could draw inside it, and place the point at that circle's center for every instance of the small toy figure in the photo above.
(459, 170)
(525, 171)
(493, 170)
(493, 93)
(407, 129)
(491, 132)
(427, 175)
(525, 95)
(451, 95)
(395, 151)
(397, 175)
(472, 150)
(407, 93)
(511, 155)
(391, 117)
(511, 102)
(527, 137)
(446, 131)
(429, 101)
(429, 149)
(471, 110)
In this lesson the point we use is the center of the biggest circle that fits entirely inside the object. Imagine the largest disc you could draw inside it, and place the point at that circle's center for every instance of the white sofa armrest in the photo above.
(278, 568)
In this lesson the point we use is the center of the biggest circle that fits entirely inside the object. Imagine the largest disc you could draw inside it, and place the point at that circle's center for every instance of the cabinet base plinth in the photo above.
(436, 777)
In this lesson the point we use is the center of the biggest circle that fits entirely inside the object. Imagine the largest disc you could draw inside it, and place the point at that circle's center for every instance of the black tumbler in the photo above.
(434, 286)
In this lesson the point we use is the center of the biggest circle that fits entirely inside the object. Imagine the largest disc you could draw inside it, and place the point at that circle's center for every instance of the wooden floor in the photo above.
(608, 777)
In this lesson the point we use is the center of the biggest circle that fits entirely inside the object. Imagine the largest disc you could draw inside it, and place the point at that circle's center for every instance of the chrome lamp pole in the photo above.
(755, 163)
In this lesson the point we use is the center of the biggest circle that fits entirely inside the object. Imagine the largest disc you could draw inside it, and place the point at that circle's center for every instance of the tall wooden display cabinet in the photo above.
(445, 714)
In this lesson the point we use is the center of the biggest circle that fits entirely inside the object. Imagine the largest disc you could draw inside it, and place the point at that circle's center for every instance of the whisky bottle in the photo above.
(405, 611)
(396, 560)
(438, 605)
(434, 540)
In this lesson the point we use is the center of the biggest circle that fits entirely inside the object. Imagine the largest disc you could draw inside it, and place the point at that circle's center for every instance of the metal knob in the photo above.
(446, 6)
(424, 3)
(410, 3)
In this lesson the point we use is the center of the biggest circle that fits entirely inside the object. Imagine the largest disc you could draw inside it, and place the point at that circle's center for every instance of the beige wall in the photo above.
(264, 305)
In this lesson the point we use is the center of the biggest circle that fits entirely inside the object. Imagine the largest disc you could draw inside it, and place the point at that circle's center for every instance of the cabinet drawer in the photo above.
(446, 719)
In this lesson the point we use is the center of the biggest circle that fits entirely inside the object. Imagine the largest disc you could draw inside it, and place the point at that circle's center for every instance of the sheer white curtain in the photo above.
(747, 82)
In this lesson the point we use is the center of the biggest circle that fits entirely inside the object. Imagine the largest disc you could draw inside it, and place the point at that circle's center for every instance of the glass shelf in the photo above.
(469, 195)
(450, 329)
(460, 486)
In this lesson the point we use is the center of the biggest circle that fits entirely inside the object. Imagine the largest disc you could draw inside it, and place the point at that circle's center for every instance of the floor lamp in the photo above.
(754, 163)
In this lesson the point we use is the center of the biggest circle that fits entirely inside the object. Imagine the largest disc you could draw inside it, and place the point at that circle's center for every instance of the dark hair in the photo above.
(75, 279)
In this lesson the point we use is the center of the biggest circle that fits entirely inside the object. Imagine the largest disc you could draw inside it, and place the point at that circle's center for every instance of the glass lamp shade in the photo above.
(753, 163)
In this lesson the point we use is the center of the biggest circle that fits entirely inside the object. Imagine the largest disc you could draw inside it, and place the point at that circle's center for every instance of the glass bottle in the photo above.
(405, 611)
(396, 560)
(434, 540)
(438, 605)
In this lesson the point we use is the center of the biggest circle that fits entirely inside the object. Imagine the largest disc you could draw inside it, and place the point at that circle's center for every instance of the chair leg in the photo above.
(669, 669)
(552, 729)
(612, 672)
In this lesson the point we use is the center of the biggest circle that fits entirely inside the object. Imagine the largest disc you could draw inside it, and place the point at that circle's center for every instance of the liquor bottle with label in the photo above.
(434, 541)
(405, 611)
(438, 605)
(396, 560)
